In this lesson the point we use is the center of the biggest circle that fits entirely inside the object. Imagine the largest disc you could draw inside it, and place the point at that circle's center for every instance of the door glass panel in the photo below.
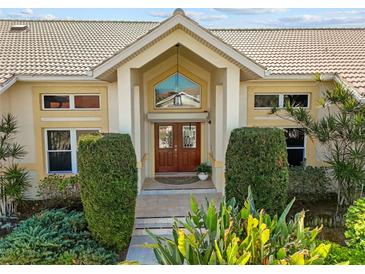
(165, 137)
(189, 136)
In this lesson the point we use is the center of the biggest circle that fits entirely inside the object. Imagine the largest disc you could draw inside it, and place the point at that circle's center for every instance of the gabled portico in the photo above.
(214, 68)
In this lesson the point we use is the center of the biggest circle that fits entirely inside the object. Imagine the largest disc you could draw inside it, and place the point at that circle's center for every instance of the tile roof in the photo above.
(74, 47)
(304, 51)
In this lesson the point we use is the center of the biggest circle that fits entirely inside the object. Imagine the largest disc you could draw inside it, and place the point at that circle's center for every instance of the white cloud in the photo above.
(250, 11)
(201, 16)
(321, 20)
(160, 14)
(198, 16)
(27, 12)
(350, 11)
(48, 17)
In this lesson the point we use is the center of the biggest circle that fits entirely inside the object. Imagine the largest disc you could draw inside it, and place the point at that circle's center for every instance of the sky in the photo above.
(208, 17)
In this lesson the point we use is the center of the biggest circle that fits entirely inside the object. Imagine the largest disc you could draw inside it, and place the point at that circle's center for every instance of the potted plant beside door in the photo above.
(203, 171)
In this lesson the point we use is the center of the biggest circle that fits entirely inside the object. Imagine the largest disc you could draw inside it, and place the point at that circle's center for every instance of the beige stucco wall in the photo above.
(113, 107)
(23, 100)
(263, 118)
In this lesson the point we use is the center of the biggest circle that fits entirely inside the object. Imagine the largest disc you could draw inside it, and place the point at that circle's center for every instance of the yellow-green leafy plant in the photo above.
(229, 236)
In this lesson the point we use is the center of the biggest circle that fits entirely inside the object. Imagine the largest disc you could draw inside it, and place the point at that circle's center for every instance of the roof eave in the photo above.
(46, 78)
(10, 82)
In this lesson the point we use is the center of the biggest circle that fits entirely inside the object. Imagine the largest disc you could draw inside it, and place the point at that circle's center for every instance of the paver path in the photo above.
(155, 212)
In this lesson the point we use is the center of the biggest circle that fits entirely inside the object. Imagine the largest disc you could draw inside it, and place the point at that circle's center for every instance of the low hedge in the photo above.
(355, 225)
(257, 157)
(308, 184)
(108, 178)
(53, 237)
(342, 254)
(59, 191)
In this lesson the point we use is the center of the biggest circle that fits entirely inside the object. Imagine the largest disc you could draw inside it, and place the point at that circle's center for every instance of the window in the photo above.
(80, 101)
(87, 101)
(61, 149)
(295, 143)
(296, 100)
(56, 101)
(279, 100)
(266, 101)
(177, 91)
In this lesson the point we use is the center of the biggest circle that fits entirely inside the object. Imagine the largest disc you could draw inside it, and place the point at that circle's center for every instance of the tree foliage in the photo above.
(14, 180)
(342, 133)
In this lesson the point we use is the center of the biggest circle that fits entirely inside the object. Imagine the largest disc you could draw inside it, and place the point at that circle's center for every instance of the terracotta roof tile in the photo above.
(74, 47)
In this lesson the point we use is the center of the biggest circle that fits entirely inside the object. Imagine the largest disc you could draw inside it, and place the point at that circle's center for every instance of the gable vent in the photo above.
(18, 27)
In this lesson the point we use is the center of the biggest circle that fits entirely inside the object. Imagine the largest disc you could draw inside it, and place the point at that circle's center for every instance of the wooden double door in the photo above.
(177, 147)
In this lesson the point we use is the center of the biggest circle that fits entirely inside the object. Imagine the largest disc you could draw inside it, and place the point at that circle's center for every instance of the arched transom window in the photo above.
(177, 91)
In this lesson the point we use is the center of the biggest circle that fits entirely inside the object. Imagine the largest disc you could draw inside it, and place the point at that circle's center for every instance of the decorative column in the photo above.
(137, 133)
(218, 164)
(125, 100)
(232, 99)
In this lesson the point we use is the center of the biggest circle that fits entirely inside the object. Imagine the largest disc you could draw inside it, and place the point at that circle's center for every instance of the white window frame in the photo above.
(73, 143)
(304, 147)
(271, 94)
(71, 101)
(281, 98)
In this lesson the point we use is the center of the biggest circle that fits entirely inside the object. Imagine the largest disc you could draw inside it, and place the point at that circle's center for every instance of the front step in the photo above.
(178, 191)
(158, 226)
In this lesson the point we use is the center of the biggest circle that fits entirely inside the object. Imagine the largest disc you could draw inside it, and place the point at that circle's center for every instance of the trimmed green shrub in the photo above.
(308, 183)
(355, 225)
(257, 157)
(60, 191)
(340, 254)
(53, 237)
(108, 178)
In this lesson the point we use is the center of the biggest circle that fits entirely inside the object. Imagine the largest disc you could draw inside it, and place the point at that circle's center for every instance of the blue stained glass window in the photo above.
(177, 91)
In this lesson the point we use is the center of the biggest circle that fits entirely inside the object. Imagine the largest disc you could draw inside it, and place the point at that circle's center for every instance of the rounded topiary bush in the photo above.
(355, 225)
(257, 157)
(108, 179)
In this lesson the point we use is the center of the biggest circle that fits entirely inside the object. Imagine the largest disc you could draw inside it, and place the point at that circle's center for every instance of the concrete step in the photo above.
(162, 206)
(158, 226)
(158, 220)
(156, 231)
(191, 191)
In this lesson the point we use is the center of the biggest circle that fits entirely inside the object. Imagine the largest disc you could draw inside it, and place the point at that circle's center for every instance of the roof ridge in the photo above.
(77, 20)
(278, 29)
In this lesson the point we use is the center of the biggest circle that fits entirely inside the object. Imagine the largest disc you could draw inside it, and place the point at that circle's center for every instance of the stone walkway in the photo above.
(156, 212)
